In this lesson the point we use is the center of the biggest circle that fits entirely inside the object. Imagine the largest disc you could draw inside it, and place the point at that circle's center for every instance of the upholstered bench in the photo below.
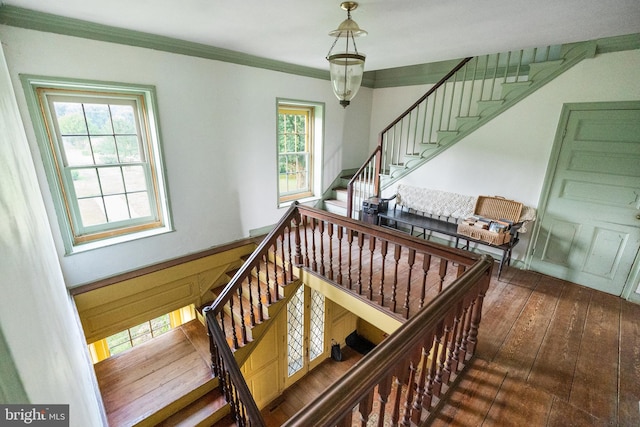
(435, 211)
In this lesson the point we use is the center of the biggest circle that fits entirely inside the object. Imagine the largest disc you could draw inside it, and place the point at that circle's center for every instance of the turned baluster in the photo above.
(441, 374)
(314, 263)
(442, 273)
(330, 234)
(243, 325)
(416, 410)
(233, 324)
(410, 389)
(321, 238)
(395, 411)
(340, 235)
(360, 244)
(252, 315)
(372, 248)
(384, 389)
(364, 408)
(350, 242)
(289, 252)
(451, 364)
(305, 221)
(426, 265)
(298, 250)
(268, 278)
(431, 377)
(410, 261)
(383, 252)
(476, 317)
(283, 261)
(394, 289)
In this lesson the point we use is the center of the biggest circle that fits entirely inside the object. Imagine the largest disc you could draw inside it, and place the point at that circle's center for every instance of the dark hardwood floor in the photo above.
(550, 353)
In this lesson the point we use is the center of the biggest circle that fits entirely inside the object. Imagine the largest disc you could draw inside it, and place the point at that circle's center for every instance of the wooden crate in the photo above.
(495, 208)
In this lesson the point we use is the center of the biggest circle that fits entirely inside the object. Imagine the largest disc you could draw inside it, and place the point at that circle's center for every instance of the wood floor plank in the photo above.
(523, 342)
(555, 365)
(196, 333)
(518, 404)
(629, 370)
(473, 396)
(503, 303)
(564, 414)
(595, 384)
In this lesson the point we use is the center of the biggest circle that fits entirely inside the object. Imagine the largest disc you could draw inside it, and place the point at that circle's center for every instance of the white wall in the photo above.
(36, 314)
(508, 156)
(217, 123)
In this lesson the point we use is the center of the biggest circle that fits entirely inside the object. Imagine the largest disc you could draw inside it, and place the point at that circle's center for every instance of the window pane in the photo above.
(117, 208)
(98, 119)
(85, 182)
(128, 149)
(123, 119)
(139, 205)
(70, 118)
(92, 211)
(104, 150)
(119, 342)
(295, 331)
(77, 150)
(134, 178)
(316, 332)
(111, 180)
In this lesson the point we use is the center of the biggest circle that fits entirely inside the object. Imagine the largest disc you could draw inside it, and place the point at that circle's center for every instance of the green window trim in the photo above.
(299, 142)
(100, 145)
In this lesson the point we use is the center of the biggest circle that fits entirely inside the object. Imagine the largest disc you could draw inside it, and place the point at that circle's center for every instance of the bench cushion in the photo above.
(435, 202)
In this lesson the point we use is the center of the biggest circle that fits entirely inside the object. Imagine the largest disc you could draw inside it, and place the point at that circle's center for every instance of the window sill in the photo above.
(99, 244)
(304, 201)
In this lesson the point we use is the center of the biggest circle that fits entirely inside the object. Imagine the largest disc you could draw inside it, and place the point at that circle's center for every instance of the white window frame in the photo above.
(316, 142)
(79, 237)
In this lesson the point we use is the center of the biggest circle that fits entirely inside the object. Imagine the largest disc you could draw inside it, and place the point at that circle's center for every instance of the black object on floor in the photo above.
(359, 343)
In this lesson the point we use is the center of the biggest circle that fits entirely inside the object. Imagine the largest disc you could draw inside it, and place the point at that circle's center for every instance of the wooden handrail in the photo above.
(234, 386)
(338, 402)
(377, 152)
(244, 270)
(298, 239)
(435, 87)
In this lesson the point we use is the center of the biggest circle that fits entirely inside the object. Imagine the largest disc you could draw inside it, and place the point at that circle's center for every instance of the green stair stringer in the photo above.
(539, 74)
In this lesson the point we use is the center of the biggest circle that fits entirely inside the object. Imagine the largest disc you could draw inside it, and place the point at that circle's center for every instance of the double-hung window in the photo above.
(102, 154)
(299, 150)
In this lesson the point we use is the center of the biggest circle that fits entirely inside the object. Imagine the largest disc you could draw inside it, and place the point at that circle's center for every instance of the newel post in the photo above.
(297, 220)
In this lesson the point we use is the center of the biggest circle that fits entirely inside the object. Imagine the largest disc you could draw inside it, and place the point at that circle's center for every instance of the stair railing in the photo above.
(455, 104)
(228, 324)
(410, 371)
(361, 259)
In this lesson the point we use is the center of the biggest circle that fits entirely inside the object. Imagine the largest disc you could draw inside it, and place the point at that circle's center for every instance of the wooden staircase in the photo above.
(473, 93)
(168, 381)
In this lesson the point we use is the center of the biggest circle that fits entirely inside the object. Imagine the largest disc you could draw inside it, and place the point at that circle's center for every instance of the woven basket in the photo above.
(485, 235)
(497, 208)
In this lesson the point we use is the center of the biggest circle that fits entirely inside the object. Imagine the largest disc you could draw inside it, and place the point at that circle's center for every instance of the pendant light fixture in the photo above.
(346, 67)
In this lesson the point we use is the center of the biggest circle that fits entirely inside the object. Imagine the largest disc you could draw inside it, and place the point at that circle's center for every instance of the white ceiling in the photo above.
(401, 32)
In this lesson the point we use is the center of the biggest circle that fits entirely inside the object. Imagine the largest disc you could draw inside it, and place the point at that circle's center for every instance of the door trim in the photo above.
(633, 280)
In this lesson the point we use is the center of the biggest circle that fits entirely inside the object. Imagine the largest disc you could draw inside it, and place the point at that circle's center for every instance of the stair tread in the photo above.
(204, 409)
(336, 202)
(171, 362)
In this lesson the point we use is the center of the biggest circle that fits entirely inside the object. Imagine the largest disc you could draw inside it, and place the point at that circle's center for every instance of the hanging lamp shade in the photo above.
(346, 67)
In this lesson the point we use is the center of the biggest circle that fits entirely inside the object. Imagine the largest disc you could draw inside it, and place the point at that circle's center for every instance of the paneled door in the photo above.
(590, 226)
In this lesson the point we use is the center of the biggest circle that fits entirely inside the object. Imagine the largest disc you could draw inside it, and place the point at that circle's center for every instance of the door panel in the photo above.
(589, 232)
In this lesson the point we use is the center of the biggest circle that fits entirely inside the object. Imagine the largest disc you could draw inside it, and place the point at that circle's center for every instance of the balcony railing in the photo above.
(407, 277)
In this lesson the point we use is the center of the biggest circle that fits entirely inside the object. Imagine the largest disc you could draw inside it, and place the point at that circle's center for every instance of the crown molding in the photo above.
(29, 19)
(429, 73)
